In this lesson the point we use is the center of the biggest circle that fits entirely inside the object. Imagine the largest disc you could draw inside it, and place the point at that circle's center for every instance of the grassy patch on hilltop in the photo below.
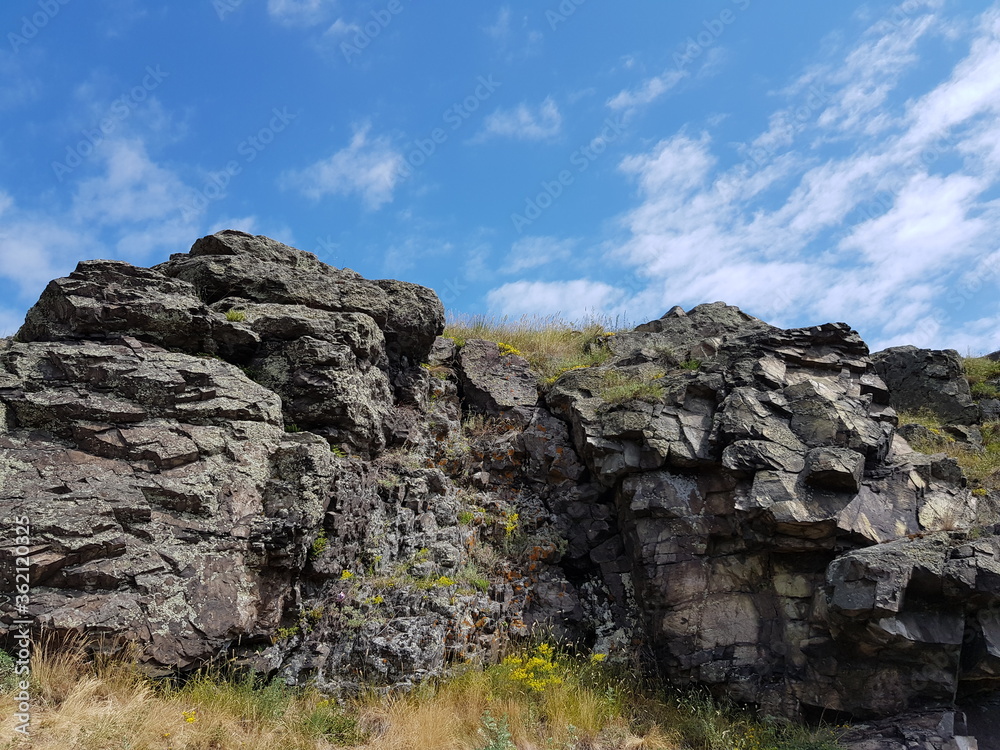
(550, 344)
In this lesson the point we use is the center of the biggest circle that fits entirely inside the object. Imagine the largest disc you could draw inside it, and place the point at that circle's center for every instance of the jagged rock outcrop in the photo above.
(740, 484)
(929, 380)
(245, 451)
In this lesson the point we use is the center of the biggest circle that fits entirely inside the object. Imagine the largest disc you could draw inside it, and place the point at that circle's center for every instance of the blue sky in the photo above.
(809, 162)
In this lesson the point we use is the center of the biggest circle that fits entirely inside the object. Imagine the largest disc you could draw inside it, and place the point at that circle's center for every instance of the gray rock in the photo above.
(495, 384)
(927, 379)
(242, 268)
(837, 468)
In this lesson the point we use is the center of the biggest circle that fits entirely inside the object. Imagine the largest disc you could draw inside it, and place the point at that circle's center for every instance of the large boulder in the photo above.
(329, 342)
(927, 379)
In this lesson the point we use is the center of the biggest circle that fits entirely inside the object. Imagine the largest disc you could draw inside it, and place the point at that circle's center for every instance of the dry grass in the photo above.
(535, 699)
(982, 467)
(550, 344)
(982, 374)
(619, 387)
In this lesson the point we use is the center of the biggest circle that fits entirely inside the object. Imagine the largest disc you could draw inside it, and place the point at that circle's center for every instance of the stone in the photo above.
(837, 468)
(927, 379)
(496, 384)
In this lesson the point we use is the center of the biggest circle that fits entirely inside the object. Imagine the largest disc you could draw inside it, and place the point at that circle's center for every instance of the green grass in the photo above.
(551, 345)
(981, 467)
(541, 697)
(982, 374)
(236, 316)
(619, 387)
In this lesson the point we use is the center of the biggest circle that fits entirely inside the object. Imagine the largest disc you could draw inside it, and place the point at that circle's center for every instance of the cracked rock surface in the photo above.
(245, 451)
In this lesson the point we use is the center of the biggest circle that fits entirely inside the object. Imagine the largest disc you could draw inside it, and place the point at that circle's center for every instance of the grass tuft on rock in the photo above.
(619, 387)
(550, 344)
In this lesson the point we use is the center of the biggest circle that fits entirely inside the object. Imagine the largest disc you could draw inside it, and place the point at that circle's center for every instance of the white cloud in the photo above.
(131, 189)
(532, 252)
(650, 90)
(572, 300)
(340, 27)
(299, 12)
(500, 28)
(369, 167)
(523, 122)
(877, 236)
(131, 209)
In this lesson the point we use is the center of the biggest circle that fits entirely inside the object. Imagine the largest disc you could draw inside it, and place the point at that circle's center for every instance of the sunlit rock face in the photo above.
(245, 451)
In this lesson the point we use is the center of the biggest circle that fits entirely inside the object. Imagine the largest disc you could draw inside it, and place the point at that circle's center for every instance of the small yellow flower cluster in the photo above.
(597, 658)
(510, 525)
(536, 672)
(190, 716)
(346, 575)
(445, 581)
(506, 349)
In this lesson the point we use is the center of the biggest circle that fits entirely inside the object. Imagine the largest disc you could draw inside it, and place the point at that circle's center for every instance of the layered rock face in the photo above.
(245, 451)
(786, 545)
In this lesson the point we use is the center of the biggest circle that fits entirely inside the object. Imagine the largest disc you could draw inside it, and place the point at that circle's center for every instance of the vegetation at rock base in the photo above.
(981, 466)
(551, 345)
(236, 316)
(541, 697)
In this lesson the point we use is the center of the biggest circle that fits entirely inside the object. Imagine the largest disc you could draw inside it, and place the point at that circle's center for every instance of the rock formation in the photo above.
(245, 451)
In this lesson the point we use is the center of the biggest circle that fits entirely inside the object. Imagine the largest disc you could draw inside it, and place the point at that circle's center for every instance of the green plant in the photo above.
(982, 467)
(982, 374)
(619, 387)
(496, 733)
(465, 517)
(284, 634)
(318, 546)
(338, 451)
(329, 722)
(292, 427)
(691, 364)
(236, 316)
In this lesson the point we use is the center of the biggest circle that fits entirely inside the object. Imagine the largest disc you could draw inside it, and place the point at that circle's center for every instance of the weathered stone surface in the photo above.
(730, 530)
(749, 515)
(106, 298)
(496, 384)
(243, 268)
(927, 379)
(836, 468)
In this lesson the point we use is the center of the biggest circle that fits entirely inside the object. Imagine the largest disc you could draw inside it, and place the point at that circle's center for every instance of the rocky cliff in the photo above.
(245, 451)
